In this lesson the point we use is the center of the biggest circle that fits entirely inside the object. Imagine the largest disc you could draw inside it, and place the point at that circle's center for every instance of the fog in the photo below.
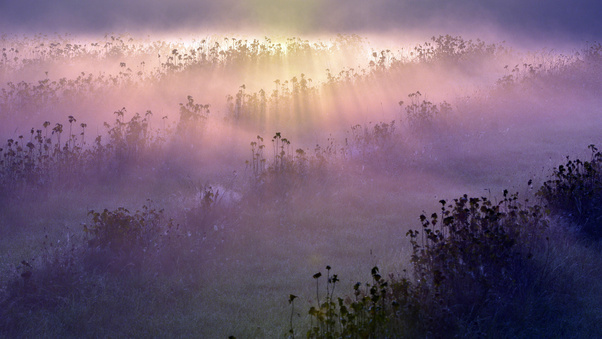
(527, 20)
(278, 136)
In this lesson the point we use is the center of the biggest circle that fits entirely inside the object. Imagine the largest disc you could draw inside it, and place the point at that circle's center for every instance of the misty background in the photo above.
(273, 156)
(509, 19)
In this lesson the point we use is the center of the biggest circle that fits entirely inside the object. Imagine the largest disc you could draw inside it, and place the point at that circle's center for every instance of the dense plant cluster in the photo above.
(470, 263)
(44, 158)
(119, 230)
(285, 171)
(575, 191)
(292, 101)
(474, 257)
(120, 241)
(173, 54)
(454, 48)
(557, 70)
(161, 61)
(366, 315)
(116, 244)
(297, 99)
(423, 115)
(370, 140)
(193, 117)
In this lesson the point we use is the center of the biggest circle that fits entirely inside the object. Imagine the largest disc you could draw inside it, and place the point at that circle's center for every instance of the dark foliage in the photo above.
(575, 191)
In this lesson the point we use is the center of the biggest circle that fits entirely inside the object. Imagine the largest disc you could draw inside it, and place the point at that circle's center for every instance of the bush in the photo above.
(371, 141)
(472, 263)
(575, 191)
(286, 172)
(421, 115)
(473, 258)
(119, 239)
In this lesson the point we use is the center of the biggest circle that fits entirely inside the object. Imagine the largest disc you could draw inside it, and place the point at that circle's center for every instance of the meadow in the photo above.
(201, 186)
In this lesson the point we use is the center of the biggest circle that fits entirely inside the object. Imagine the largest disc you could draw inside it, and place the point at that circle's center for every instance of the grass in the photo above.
(277, 251)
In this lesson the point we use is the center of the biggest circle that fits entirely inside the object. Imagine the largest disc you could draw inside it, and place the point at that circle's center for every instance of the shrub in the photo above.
(473, 257)
(471, 263)
(421, 115)
(129, 141)
(369, 141)
(119, 238)
(285, 172)
(192, 118)
(575, 191)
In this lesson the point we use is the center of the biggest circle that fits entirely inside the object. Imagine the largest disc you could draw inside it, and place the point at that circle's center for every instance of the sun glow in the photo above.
(286, 16)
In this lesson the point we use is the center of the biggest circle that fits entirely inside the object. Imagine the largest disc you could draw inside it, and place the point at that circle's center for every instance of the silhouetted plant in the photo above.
(471, 261)
(285, 171)
(119, 230)
(575, 191)
(46, 160)
(421, 115)
(473, 257)
(118, 239)
(293, 101)
(447, 48)
(192, 117)
(365, 316)
(371, 140)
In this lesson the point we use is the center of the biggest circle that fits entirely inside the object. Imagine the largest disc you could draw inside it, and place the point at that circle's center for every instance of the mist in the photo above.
(517, 20)
(180, 168)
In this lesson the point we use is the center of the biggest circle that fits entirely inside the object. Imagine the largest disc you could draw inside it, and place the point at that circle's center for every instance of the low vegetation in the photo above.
(575, 192)
(200, 225)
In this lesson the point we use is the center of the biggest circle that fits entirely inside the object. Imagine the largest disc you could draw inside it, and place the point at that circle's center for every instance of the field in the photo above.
(195, 186)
